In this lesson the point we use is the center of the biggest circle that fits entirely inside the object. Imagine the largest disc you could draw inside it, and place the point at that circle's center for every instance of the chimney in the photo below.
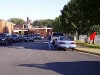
(27, 20)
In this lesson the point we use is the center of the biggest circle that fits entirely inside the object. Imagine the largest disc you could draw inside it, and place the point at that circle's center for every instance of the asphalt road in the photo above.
(35, 58)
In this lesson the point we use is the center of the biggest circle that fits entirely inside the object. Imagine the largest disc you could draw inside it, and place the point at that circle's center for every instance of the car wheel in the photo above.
(72, 49)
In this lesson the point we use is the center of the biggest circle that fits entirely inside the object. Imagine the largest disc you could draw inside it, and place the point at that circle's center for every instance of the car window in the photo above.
(8, 36)
(58, 34)
(66, 38)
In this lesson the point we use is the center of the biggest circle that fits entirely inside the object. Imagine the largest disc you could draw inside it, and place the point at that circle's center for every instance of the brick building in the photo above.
(20, 29)
(42, 30)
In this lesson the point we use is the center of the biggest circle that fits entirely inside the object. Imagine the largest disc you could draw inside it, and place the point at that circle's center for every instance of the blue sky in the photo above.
(34, 9)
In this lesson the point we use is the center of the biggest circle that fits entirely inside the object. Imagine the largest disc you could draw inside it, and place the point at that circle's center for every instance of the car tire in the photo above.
(72, 49)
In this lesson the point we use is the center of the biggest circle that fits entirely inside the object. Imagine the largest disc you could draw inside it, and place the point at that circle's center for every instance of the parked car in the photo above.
(28, 38)
(37, 37)
(15, 37)
(55, 35)
(5, 38)
(65, 42)
(21, 38)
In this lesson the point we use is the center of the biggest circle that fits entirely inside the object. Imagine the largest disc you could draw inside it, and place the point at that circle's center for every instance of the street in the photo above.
(35, 58)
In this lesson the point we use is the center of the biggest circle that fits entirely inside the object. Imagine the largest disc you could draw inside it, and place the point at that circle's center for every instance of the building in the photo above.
(20, 29)
(41, 30)
(6, 27)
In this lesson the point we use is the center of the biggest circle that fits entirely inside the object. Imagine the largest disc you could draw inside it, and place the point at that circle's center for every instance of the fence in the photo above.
(85, 38)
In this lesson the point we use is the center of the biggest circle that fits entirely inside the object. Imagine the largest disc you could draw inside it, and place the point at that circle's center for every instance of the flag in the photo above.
(92, 36)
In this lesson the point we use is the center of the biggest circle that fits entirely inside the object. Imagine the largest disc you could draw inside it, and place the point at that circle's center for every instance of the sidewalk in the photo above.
(88, 50)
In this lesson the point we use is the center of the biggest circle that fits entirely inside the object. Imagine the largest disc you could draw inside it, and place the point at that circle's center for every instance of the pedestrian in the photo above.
(49, 39)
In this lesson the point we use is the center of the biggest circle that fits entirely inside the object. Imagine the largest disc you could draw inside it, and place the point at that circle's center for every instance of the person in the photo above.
(49, 39)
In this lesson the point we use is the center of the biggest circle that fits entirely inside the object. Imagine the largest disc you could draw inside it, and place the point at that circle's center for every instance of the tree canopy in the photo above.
(17, 20)
(46, 22)
(82, 16)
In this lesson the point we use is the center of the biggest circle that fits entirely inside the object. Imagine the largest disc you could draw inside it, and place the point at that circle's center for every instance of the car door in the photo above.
(9, 40)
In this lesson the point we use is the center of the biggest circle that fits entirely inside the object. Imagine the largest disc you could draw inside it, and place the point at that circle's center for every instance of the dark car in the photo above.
(28, 38)
(5, 39)
(37, 37)
(21, 38)
(15, 37)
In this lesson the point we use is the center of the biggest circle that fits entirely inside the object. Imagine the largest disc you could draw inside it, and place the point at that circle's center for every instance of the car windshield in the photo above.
(66, 38)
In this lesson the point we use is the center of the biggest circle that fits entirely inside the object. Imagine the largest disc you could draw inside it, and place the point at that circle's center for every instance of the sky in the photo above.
(34, 9)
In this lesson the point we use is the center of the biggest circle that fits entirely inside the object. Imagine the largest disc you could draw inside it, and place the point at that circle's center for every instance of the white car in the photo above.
(65, 42)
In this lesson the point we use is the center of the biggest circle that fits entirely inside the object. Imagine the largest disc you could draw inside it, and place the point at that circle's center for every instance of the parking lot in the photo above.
(35, 58)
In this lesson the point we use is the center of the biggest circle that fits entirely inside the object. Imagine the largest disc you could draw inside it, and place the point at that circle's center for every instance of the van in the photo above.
(55, 35)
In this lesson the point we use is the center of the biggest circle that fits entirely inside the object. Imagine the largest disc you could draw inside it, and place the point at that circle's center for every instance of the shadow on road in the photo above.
(70, 68)
(36, 45)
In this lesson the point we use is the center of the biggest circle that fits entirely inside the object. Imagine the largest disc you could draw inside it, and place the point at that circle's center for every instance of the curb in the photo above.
(88, 52)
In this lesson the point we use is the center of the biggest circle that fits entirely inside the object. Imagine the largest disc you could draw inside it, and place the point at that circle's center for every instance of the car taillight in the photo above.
(61, 42)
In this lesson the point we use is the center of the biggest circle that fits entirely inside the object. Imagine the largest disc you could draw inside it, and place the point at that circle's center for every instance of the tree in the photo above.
(57, 25)
(45, 22)
(81, 15)
(17, 20)
(36, 23)
(91, 12)
(68, 19)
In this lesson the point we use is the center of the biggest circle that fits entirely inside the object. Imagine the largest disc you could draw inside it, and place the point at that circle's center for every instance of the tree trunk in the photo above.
(76, 36)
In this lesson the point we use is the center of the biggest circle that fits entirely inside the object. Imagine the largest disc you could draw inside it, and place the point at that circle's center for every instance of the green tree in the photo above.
(57, 25)
(36, 23)
(45, 22)
(68, 19)
(17, 20)
(91, 12)
(81, 16)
